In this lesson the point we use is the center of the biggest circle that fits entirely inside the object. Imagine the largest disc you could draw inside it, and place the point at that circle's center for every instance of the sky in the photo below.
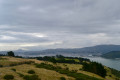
(48, 24)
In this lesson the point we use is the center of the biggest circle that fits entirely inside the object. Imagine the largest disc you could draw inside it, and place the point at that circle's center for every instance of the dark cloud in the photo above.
(31, 24)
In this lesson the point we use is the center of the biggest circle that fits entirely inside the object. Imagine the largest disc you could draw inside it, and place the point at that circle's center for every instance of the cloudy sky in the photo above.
(43, 24)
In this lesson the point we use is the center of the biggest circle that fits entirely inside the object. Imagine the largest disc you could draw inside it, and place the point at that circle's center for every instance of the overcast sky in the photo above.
(43, 24)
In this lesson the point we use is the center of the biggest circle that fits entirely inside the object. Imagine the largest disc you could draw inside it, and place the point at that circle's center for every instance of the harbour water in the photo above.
(112, 63)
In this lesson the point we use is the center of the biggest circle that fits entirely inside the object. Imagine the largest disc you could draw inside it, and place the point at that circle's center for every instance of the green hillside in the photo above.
(112, 55)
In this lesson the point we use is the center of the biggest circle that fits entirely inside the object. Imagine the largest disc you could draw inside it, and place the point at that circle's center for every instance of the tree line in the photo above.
(94, 67)
(62, 59)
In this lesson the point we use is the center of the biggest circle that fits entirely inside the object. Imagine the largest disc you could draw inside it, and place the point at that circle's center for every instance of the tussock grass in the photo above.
(23, 69)
(43, 74)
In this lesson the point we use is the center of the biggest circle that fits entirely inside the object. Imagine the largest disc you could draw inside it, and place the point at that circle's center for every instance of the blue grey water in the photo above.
(112, 63)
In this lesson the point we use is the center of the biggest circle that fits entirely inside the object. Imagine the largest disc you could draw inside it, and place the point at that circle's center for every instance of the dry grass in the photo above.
(109, 73)
(23, 69)
(42, 73)
(78, 68)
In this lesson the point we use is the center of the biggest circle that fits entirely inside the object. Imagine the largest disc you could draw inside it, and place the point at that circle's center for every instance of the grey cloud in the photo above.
(71, 22)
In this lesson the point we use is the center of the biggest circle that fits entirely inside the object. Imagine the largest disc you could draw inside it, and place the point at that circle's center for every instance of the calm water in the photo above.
(107, 62)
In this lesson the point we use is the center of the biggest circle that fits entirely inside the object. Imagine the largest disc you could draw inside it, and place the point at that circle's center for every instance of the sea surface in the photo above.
(112, 63)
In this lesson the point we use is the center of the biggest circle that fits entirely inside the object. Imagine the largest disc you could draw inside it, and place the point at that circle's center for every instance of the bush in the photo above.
(13, 64)
(13, 69)
(31, 72)
(31, 77)
(20, 63)
(8, 77)
(21, 75)
(1, 65)
(62, 78)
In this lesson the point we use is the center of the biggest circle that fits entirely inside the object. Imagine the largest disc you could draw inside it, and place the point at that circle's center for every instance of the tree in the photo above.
(95, 67)
(10, 53)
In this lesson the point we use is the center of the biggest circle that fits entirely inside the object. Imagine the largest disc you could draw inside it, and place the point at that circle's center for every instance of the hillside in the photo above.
(112, 55)
(95, 50)
(44, 70)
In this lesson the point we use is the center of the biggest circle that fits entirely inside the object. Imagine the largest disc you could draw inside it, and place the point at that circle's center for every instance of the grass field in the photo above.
(43, 74)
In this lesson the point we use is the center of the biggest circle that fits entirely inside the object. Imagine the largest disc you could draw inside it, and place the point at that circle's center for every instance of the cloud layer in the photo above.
(43, 24)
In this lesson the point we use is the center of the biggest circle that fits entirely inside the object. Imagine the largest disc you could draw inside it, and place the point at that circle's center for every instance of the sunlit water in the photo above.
(112, 63)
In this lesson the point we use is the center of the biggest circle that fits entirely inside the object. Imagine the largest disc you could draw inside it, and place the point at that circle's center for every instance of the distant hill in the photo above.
(94, 50)
(112, 55)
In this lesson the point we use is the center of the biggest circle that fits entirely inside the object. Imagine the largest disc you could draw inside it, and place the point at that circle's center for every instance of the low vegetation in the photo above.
(89, 66)
(115, 72)
(77, 76)
(31, 72)
(62, 78)
(31, 77)
(13, 69)
(8, 77)
(21, 75)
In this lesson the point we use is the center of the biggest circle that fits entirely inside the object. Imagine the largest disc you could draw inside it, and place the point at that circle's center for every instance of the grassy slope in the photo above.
(79, 67)
(43, 73)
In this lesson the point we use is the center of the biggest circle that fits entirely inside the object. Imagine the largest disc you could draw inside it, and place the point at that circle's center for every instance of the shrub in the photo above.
(110, 75)
(31, 72)
(21, 75)
(13, 64)
(31, 77)
(13, 69)
(62, 78)
(64, 65)
(1, 65)
(67, 68)
(79, 79)
(20, 63)
(28, 62)
(8, 77)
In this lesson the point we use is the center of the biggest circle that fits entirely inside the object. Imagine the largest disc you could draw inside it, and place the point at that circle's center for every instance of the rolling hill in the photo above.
(94, 50)
(112, 55)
